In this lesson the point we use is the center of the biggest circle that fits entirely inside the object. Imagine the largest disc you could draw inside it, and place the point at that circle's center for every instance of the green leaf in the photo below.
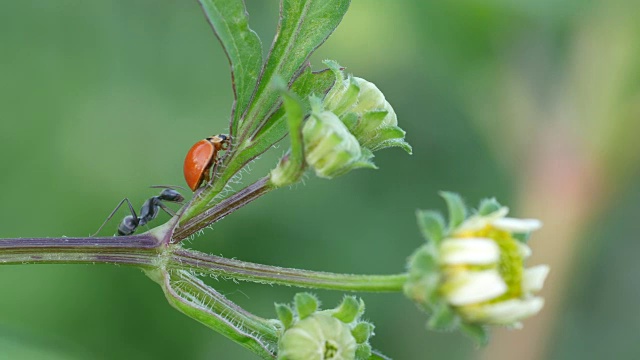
(442, 318)
(363, 352)
(285, 315)
(392, 136)
(347, 98)
(457, 208)
(291, 166)
(522, 237)
(376, 355)
(423, 261)
(304, 25)
(228, 18)
(478, 333)
(362, 332)
(348, 310)
(488, 206)
(194, 298)
(306, 304)
(276, 128)
(309, 83)
(350, 120)
(431, 225)
(371, 120)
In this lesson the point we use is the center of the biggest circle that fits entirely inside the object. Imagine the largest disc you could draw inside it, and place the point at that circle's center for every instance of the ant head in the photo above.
(171, 195)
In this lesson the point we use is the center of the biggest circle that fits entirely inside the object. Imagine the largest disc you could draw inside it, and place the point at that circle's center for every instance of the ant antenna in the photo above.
(168, 187)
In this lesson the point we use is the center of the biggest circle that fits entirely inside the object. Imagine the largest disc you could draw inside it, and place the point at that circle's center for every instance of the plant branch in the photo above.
(195, 299)
(209, 264)
(138, 250)
(222, 209)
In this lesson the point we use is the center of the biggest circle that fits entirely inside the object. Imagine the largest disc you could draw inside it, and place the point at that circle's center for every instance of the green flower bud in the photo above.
(349, 309)
(364, 109)
(472, 274)
(335, 334)
(318, 337)
(330, 149)
(306, 304)
(285, 315)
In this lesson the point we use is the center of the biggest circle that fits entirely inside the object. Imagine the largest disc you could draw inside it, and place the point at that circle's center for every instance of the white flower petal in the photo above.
(477, 222)
(533, 278)
(473, 223)
(517, 225)
(525, 251)
(472, 251)
(469, 287)
(504, 312)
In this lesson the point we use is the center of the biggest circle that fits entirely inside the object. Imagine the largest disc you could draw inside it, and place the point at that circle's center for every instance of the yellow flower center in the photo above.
(511, 263)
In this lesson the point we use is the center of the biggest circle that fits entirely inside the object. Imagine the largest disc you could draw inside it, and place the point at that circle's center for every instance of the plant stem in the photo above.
(224, 208)
(195, 299)
(241, 270)
(138, 250)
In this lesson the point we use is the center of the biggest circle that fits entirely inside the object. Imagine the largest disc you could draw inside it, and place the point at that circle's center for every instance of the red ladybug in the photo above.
(201, 157)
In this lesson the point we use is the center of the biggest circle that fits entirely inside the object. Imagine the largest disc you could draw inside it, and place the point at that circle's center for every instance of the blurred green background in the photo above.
(534, 102)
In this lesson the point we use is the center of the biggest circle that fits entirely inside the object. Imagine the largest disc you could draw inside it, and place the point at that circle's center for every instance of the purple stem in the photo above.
(138, 250)
(224, 208)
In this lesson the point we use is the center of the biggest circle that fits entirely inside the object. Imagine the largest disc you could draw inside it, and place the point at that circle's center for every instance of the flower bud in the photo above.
(330, 149)
(323, 334)
(364, 109)
(472, 274)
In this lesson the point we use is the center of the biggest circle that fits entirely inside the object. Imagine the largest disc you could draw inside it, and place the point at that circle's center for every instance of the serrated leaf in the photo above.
(229, 21)
(457, 208)
(303, 26)
(431, 224)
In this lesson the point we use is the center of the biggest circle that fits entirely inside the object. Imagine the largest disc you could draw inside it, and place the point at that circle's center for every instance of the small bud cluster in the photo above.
(471, 273)
(352, 121)
(330, 149)
(365, 111)
(312, 334)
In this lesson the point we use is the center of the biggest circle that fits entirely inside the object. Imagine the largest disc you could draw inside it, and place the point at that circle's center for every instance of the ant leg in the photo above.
(166, 209)
(113, 213)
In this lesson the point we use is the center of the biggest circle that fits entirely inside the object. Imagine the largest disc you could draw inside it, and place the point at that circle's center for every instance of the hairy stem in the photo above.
(241, 270)
(195, 299)
(224, 208)
(138, 250)
(147, 251)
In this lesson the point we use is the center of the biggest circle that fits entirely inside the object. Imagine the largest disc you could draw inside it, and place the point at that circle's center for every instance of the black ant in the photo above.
(148, 212)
